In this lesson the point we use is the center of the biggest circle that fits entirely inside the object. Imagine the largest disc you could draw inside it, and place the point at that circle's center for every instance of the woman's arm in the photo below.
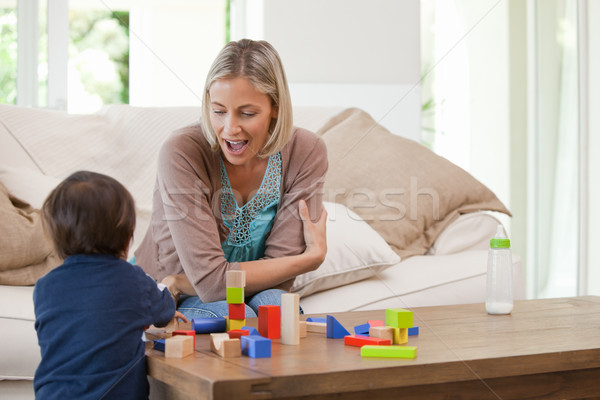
(266, 273)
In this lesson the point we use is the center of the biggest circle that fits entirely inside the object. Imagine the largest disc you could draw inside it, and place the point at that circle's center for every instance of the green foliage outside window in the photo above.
(8, 56)
(97, 38)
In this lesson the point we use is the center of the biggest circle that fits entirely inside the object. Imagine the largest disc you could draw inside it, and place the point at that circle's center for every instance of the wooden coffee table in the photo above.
(547, 349)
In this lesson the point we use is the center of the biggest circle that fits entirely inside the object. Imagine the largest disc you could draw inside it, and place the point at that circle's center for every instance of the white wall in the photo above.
(348, 53)
(161, 74)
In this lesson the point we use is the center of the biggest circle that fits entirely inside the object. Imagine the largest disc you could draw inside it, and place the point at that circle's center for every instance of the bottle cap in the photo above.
(500, 241)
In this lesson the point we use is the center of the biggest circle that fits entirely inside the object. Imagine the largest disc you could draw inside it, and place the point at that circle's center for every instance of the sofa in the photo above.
(406, 228)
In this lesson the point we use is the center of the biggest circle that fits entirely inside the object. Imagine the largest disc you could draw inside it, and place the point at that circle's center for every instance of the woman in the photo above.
(234, 192)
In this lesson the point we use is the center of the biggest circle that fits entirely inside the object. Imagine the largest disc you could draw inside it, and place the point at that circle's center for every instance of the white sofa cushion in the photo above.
(415, 282)
(471, 231)
(19, 346)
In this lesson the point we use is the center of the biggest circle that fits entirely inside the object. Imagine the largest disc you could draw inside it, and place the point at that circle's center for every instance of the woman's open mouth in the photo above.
(236, 147)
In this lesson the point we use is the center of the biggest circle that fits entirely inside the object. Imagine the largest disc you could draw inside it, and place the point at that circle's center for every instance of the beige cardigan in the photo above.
(186, 232)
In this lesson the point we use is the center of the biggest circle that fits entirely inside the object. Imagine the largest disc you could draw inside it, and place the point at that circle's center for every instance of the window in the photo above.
(79, 55)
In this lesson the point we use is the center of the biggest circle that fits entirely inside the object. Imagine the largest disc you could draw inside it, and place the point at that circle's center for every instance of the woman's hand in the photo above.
(178, 284)
(315, 235)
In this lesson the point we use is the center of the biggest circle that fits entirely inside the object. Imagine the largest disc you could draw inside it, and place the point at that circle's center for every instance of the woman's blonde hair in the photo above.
(258, 62)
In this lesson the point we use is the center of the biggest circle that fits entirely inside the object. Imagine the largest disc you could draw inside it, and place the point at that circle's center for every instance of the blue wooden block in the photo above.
(251, 331)
(209, 325)
(316, 319)
(159, 344)
(414, 331)
(362, 329)
(335, 330)
(256, 346)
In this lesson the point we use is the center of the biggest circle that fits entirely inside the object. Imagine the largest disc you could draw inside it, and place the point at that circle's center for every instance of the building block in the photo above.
(235, 324)
(316, 327)
(235, 279)
(399, 317)
(235, 295)
(302, 327)
(209, 325)
(237, 311)
(269, 321)
(414, 331)
(290, 312)
(224, 346)
(237, 333)
(159, 344)
(375, 322)
(389, 351)
(187, 333)
(251, 330)
(400, 335)
(335, 330)
(361, 340)
(179, 346)
(362, 329)
(256, 346)
(382, 332)
(316, 319)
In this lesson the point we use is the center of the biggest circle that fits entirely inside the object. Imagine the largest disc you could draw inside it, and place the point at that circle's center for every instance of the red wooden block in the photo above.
(359, 341)
(186, 333)
(375, 323)
(238, 333)
(269, 321)
(237, 311)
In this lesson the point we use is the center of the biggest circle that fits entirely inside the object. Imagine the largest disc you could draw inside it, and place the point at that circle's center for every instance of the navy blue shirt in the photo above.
(90, 315)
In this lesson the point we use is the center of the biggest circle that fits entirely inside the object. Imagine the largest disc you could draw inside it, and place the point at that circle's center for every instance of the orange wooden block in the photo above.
(237, 311)
(186, 333)
(269, 321)
(359, 341)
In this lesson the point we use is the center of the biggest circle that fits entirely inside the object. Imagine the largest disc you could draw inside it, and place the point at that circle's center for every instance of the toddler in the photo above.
(91, 311)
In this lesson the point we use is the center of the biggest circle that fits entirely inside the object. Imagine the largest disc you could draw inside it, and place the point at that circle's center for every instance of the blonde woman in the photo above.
(238, 191)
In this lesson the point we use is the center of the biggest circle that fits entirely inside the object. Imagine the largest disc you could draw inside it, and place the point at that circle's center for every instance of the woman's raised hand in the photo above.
(315, 235)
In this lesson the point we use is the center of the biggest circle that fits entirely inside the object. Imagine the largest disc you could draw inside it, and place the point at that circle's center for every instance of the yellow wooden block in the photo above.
(400, 335)
(234, 324)
(179, 346)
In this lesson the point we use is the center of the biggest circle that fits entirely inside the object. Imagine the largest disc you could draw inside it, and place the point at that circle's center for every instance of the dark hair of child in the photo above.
(90, 213)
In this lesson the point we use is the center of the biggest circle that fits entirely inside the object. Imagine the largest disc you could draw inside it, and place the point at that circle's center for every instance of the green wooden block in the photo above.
(399, 318)
(235, 295)
(389, 351)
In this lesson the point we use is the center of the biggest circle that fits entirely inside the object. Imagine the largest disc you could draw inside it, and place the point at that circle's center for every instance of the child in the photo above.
(91, 311)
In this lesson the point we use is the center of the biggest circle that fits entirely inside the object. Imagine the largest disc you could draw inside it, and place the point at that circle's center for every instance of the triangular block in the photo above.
(335, 330)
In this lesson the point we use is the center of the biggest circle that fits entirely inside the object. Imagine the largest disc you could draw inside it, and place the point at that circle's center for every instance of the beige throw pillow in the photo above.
(406, 192)
(26, 253)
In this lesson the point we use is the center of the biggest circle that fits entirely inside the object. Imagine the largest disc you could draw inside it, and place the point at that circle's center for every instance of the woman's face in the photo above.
(241, 116)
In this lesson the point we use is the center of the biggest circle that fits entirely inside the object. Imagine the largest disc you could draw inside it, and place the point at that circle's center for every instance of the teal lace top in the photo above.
(249, 225)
